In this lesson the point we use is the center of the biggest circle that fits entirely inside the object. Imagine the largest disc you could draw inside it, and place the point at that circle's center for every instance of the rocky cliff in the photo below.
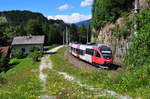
(119, 42)
(3, 19)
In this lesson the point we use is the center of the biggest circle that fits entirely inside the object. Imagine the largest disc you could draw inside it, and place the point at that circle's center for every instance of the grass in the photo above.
(130, 83)
(63, 89)
(21, 82)
(50, 47)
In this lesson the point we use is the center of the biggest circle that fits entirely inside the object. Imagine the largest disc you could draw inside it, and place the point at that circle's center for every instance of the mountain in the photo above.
(86, 23)
(17, 17)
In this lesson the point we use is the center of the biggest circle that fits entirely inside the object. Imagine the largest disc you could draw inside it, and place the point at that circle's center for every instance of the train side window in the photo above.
(90, 52)
(87, 51)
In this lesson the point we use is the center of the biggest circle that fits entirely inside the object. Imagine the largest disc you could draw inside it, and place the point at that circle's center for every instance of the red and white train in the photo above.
(97, 54)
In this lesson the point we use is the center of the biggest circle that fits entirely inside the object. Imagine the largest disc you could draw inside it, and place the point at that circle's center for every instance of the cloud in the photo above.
(64, 7)
(86, 3)
(73, 18)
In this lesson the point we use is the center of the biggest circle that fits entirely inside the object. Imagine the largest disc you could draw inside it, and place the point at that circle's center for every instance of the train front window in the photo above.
(107, 56)
(97, 54)
(106, 52)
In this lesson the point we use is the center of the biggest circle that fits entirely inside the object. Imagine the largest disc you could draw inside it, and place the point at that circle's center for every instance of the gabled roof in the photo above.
(28, 40)
(4, 50)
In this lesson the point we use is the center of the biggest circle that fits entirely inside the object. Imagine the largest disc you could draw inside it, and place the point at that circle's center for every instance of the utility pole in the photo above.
(66, 35)
(69, 37)
(136, 10)
(87, 34)
(63, 37)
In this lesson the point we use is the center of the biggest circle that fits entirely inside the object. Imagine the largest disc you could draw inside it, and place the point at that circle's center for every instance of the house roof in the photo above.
(4, 50)
(28, 40)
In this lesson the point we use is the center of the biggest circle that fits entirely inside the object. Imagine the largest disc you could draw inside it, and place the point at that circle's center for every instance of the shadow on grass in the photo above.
(49, 53)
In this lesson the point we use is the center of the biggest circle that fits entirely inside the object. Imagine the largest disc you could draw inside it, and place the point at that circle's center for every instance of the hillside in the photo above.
(86, 23)
(21, 17)
(17, 17)
(18, 23)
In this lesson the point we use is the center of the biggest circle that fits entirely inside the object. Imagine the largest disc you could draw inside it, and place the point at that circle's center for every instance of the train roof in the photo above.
(92, 44)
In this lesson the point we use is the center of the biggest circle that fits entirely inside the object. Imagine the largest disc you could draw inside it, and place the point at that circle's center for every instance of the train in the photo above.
(99, 55)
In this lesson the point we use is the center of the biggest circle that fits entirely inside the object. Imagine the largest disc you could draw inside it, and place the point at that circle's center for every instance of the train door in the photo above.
(88, 55)
(97, 58)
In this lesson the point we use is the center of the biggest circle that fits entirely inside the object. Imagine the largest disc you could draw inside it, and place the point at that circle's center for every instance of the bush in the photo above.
(34, 54)
(14, 61)
(3, 63)
(17, 54)
(34, 49)
(2, 79)
(139, 51)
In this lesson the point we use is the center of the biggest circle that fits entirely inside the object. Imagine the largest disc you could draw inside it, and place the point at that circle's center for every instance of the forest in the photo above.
(19, 23)
(107, 11)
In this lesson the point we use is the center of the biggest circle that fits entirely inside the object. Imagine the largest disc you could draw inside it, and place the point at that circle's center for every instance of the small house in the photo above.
(26, 43)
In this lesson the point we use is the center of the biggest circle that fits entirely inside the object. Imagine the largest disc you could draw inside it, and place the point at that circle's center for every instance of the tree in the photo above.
(34, 27)
(82, 34)
(105, 11)
(3, 62)
(73, 31)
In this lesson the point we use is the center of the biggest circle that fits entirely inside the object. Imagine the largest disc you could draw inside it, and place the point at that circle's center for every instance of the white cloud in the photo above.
(86, 3)
(73, 18)
(64, 7)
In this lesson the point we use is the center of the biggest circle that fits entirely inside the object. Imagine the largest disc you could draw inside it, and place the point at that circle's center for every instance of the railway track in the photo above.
(78, 63)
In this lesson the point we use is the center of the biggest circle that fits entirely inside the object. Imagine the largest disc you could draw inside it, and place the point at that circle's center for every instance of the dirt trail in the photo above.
(46, 64)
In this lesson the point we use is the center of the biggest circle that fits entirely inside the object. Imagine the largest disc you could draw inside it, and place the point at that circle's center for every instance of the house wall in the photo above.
(28, 47)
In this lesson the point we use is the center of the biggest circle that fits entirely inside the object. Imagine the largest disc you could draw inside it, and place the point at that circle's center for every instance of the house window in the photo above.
(23, 49)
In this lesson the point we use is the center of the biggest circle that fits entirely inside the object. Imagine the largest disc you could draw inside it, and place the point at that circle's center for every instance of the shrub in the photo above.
(34, 49)
(17, 54)
(33, 54)
(2, 79)
(3, 63)
(14, 61)
(139, 51)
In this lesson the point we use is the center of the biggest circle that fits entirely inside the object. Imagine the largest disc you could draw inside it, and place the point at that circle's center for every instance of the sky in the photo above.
(70, 11)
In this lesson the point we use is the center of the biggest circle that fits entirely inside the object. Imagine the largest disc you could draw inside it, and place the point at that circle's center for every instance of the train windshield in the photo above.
(106, 52)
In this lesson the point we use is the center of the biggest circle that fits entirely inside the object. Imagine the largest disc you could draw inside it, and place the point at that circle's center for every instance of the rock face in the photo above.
(3, 19)
(144, 4)
(119, 46)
